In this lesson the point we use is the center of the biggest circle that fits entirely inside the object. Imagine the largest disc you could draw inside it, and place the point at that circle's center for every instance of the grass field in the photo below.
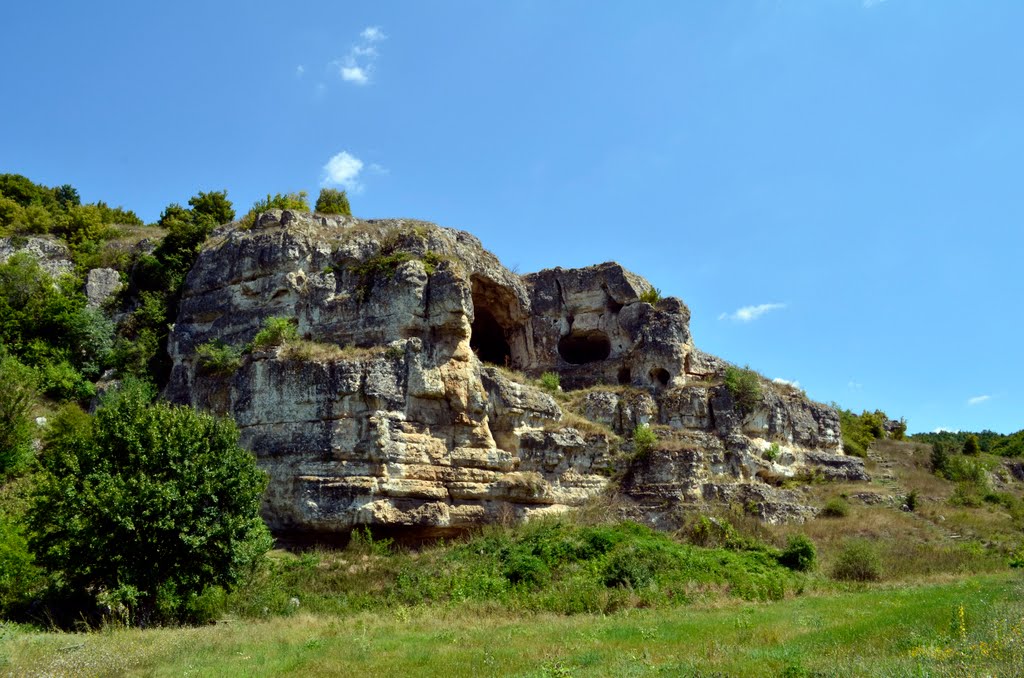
(576, 596)
(970, 627)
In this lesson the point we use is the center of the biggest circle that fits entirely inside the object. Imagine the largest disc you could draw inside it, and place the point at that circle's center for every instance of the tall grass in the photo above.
(972, 627)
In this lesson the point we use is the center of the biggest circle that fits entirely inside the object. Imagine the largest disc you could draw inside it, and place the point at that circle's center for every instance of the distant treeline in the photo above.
(988, 441)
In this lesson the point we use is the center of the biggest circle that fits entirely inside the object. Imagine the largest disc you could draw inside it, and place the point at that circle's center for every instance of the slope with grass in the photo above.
(969, 627)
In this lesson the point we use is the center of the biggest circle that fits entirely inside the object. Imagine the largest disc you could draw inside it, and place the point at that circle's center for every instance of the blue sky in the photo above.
(832, 186)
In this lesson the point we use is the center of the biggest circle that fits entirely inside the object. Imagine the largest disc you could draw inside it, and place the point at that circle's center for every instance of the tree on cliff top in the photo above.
(333, 201)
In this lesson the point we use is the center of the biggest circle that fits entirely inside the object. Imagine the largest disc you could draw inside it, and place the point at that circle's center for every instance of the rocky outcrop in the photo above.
(101, 284)
(408, 402)
(54, 257)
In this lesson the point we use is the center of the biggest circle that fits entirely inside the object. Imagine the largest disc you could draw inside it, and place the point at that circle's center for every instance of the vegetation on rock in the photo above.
(745, 386)
(333, 201)
(144, 507)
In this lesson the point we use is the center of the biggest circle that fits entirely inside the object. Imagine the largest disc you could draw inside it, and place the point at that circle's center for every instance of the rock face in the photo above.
(53, 256)
(409, 402)
(100, 285)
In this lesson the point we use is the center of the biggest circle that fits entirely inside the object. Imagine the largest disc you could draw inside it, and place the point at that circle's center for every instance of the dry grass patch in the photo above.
(316, 351)
(585, 426)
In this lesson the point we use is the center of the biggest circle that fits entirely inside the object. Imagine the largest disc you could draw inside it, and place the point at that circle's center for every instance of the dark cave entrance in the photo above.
(625, 377)
(488, 340)
(580, 348)
(497, 333)
(660, 376)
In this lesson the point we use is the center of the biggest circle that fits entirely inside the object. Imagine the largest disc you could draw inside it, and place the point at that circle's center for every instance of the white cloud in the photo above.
(357, 65)
(786, 382)
(343, 170)
(943, 429)
(354, 74)
(378, 169)
(977, 400)
(373, 34)
(748, 313)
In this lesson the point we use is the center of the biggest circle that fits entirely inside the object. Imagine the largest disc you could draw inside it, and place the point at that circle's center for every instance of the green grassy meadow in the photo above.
(970, 627)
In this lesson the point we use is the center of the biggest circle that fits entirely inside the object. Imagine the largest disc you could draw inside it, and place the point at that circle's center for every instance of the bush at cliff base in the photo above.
(145, 511)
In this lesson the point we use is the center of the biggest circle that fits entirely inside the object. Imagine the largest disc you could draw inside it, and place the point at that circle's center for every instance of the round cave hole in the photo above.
(660, 376)
(580, 348)
(488, 339)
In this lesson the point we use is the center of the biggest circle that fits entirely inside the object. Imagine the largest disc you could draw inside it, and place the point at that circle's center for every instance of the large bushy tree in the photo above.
(214, 205)
(145, 506)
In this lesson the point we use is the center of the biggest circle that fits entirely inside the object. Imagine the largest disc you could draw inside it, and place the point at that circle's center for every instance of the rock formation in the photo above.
(410, 401)
(53, 256)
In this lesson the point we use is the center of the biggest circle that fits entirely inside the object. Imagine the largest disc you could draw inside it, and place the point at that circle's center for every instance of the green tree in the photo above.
(46, 324)
(18, 386)
(11, 213)
(214, 204)
(23, 191)
(333, 201)
(117, 215)
(67, 196)
(745, 387)
(174, 213)
(145, 506)
(82, 225)
(939, 459)
(971, 447)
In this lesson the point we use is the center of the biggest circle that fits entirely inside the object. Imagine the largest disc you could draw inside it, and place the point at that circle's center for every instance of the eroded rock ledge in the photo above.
(413, 405)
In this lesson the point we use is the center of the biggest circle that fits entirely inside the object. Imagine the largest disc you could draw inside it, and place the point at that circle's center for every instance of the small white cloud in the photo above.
(299, 70)
(357, 65)
(943, 429)
(786, 382)
(378, 169)
(373, 34)
(749, 313)
(343, 170)
(354, 74)
(977, 400)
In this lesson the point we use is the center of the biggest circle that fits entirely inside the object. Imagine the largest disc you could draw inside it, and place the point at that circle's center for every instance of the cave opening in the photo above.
(625, 376)
(580, 348)
(488, 339)
(660, 376)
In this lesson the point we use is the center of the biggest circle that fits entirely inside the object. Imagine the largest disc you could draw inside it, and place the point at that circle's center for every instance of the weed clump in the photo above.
(276, 331)
(217, 357)
(836, 507)
(644, 440)
(799, 554)
(550, 382)
(651, 296)
(857, 561)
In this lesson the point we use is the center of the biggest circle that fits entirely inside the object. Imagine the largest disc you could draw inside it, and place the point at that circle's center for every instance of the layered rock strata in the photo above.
(409, 400)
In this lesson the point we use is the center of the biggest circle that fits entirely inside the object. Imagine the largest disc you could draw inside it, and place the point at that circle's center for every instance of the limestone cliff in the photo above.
(410, 402)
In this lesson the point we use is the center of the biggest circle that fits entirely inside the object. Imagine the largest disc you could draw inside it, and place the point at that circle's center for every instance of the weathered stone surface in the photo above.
(100, 285)
(53, 256)
(390, 415)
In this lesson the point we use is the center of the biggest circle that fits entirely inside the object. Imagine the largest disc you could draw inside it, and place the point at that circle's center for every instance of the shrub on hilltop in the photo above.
(333, 201)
